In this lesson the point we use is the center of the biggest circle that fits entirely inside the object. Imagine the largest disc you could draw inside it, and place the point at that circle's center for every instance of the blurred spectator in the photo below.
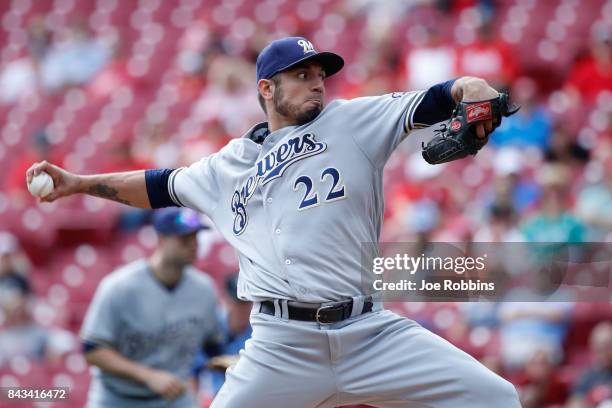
(214, 137)
(593, 73)
(109, 79)
(39, 39)
(512, 187)
(39, 149)
(380, 64)
(230, 89)
(535, 316)
(595, 385)
(380, 19)
(539, 385)
(20, 335)
(533, 320)
(485, 7)
(74, 59)
(236, 328)
(554, 223)
(594, 201)
(433, 62)
(114, 74)
(21, 76)
(200, 45)
(236, 320)
(199, 48)
(14, 266)
(488, 57)
(481, 314)
(421, 219)
(500, 225)
(531, 125)
(18, 78)
(154, 146)
(564, 149)
(122, 158)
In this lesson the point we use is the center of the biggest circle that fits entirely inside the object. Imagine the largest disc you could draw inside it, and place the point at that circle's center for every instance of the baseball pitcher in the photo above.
(297, 196)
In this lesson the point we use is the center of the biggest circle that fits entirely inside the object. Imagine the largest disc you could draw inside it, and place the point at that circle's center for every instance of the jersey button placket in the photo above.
(287, 261)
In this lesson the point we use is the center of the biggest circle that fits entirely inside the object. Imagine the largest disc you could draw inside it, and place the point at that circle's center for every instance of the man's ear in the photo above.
(266, 88)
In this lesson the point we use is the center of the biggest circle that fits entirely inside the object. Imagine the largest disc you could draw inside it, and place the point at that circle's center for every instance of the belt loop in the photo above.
(284, 310)
(277, 309)
(357, 306)
(377, 301)
(256, 308)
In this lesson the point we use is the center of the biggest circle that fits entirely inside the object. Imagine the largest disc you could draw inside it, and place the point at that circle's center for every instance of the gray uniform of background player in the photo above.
(137, 316)
(302, 242)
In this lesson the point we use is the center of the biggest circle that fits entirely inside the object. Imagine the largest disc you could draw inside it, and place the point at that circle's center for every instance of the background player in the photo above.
(149, 319)
(234, 323)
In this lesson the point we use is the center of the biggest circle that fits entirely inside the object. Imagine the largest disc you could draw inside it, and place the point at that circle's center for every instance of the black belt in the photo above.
(320, 313)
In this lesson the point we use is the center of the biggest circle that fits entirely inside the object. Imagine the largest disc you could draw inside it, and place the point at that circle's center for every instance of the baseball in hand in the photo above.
(41, 185)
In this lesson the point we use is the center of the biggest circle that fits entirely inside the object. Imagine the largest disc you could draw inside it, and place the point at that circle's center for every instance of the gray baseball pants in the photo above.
(378, 358)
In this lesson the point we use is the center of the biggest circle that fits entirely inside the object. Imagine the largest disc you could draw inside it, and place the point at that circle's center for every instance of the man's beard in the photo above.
(178, 263)
(289, 110)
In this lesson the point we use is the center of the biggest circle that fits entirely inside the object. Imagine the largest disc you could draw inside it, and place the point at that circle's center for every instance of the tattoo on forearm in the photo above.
(104, 191)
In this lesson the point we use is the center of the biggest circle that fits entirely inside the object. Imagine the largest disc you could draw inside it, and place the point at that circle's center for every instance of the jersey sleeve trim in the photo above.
(94, 342)
(436, 105)
(88, 346)
(412, 105)
(157, 188)
(171, 189)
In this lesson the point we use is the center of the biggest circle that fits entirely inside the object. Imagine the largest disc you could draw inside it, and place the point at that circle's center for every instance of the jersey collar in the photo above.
(258, 133)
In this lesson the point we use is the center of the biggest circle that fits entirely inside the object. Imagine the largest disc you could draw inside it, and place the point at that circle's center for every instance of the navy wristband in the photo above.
(437, 105)
(157, 188)
(88, 346)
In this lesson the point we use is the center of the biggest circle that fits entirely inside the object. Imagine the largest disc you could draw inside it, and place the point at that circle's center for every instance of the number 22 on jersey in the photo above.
(311, 196)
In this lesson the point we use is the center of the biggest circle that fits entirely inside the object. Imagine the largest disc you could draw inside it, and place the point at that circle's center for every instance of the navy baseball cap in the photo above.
(282, 54)
(177, 221)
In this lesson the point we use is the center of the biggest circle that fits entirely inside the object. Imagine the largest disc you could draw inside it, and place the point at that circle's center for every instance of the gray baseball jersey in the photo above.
(133, 313)
(298, 206)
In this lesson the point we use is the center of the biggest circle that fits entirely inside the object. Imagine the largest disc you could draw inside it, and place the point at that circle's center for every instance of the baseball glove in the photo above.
(457, 138)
